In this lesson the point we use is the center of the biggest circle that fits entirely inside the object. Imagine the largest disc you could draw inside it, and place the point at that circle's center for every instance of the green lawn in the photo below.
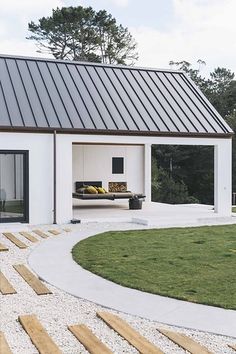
(194, 264)
(234, 209)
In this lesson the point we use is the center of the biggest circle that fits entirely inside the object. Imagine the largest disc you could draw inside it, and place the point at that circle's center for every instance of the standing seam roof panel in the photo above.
(150, 111)
(32, 96)
(43, 95)
(51, 94)
(68, 106)
(110, 104)
(4, 114)
(163, 110)
(178, 104)
(212, 112)
(9, 94)
(125, 114)
(97, 99)
(196, 110)
(133, 112)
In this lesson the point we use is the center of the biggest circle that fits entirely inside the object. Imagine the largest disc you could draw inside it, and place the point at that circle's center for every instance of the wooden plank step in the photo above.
(38, 335)
(67, 230)
(3, 248)
(40, 233)
(28, 236)
(14, 240)
(5, 287)
(232, 346)
(128, 333)
(89, 340)
(32, 280)
(185, 342)
(54, 232)
(4, 347)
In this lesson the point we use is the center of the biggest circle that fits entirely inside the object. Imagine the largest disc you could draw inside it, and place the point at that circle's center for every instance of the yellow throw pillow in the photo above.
(91, 190)
(101, 190)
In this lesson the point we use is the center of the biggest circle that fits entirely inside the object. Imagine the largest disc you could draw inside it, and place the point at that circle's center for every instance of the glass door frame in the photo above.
(25, 217)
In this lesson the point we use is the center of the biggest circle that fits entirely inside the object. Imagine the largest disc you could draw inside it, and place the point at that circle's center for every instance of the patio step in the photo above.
(5, 349)
(89, 340)
(14, 240)
(40, 233)
(28, 236)
(185, 342)
(5, 287)
(32, 280)
(38, 335)
(128, 333)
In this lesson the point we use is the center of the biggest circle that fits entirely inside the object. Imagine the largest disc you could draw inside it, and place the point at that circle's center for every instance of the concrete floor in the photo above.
(152, 214)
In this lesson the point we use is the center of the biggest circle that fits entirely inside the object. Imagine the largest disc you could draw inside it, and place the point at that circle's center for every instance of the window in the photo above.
(117, 165)
(13, 186)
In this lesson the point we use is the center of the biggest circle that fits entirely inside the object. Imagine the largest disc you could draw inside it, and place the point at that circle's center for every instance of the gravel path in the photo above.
(57, 310)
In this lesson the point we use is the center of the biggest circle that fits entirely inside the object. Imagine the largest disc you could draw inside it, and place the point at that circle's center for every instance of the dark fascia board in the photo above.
(113, 132)
(71, 62)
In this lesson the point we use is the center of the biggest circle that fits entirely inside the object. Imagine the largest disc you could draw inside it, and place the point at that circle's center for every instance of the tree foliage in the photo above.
(80, 33)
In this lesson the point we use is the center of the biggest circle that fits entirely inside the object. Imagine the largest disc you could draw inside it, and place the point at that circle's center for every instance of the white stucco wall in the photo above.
(40, 171)
(94, 163)
(40, 147)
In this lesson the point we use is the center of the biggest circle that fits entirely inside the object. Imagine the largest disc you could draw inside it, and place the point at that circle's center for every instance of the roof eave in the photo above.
(46, 130)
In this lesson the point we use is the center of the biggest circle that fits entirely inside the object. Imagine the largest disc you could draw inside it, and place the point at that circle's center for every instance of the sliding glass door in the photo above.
(13, 186)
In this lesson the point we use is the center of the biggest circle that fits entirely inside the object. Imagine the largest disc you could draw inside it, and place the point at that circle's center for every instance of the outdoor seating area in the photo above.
(87, 190)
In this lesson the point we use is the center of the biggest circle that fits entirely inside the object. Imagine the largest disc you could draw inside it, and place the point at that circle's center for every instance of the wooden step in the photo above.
(67, 230)
(32, 280)
(5, 287)
(89, 340)
(4, 347)
(40, 233)
(128, 333)
(14, 240)
(54, 232)
(232, 346)
(38, 335)
(28, 236)
(3, 248)
(185, 342)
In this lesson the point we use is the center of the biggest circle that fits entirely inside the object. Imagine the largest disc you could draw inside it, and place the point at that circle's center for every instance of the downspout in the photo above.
(54, 177)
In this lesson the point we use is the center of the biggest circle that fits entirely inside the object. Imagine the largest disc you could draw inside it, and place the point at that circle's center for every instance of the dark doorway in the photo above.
(14, 186)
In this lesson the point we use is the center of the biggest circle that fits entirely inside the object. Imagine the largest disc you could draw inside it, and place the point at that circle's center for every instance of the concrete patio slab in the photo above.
(53, 262)
(152, 214)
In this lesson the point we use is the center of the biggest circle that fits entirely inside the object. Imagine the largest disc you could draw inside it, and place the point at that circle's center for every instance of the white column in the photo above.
(223, 177)
(64, 179)
(148, 172)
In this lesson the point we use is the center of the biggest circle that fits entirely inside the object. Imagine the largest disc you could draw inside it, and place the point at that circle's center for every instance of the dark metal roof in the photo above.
(44, 94)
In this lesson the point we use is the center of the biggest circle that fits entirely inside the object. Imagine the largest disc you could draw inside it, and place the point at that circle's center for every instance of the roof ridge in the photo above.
(83, 63)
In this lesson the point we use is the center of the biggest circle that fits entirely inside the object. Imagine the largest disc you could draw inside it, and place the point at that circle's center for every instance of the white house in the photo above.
(62, 122)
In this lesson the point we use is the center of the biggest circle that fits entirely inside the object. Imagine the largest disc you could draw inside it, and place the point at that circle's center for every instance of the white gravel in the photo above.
(57, 310)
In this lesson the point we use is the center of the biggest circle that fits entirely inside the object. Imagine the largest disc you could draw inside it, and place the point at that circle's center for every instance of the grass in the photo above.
(193, 264)
(15, 206)
(234, 209)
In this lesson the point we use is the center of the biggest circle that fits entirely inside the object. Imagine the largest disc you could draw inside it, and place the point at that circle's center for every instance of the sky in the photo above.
(165, 30)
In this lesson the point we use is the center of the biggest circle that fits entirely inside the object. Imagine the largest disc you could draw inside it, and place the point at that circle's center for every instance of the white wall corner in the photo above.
(148, 172)
(223, 177)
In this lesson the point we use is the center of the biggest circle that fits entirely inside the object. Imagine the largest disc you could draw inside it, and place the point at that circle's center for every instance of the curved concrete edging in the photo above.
(53, 262)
